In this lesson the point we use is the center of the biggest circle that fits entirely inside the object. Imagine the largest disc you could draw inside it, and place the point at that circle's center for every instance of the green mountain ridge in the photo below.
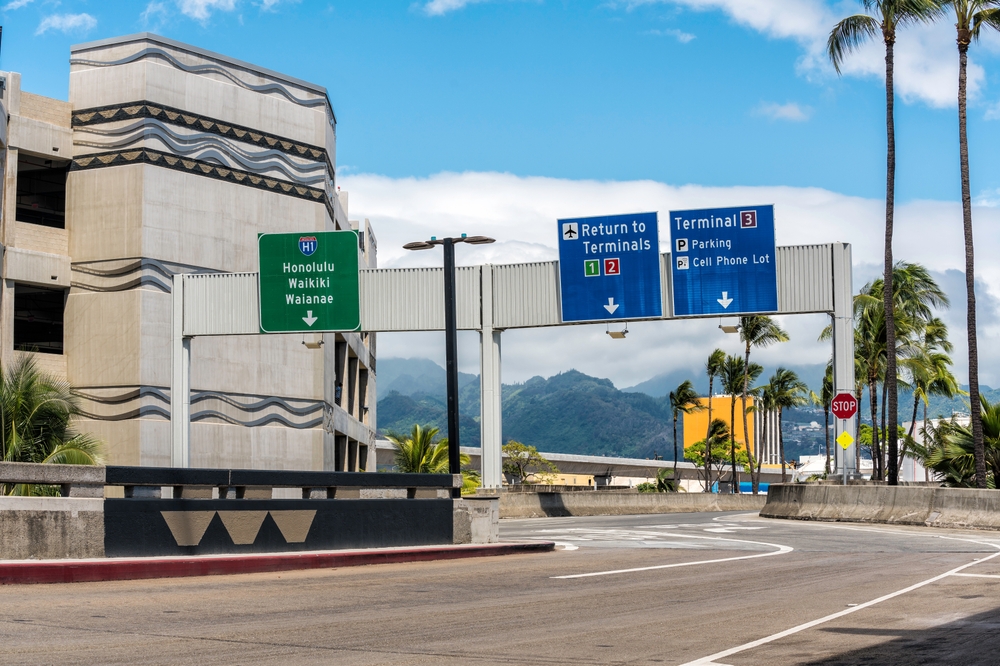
(572, 412)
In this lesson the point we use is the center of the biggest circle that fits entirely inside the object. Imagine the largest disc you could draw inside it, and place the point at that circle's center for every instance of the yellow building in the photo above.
(696, 423)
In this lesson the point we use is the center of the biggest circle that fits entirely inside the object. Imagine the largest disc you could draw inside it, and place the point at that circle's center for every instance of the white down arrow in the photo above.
(611, 306)
(309, 319)
(725, 300)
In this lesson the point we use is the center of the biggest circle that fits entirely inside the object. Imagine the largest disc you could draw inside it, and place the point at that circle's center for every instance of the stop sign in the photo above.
(844, 405)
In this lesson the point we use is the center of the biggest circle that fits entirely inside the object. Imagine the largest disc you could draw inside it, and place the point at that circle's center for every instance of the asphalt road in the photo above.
(672, 589)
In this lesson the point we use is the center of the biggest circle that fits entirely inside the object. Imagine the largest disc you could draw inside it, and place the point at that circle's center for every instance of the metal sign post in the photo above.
(724, 261)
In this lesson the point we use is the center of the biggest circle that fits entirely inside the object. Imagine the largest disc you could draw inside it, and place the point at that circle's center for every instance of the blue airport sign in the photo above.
(722, 261)
(609, 268)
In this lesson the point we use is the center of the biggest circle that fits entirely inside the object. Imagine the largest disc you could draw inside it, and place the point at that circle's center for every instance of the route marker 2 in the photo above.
(609, 268)
(723, 261)
(309, 282)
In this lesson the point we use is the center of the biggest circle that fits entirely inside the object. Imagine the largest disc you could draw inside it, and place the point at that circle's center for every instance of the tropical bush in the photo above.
(950, 450)
(523, 462)
(36, 423)
(423, 453)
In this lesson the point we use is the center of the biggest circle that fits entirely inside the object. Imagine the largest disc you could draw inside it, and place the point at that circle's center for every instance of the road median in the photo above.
(600, 503)
(968, 508)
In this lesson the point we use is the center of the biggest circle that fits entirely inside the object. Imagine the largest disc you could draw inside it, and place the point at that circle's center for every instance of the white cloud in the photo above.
(521, 213)
(926, 58)
(201, 10)
(16, 4)
(992, 112)
(679, 35)
(790, 111)
(66, 23)
(269, 5)
(439, 7)
(989, 198)
(154, 14)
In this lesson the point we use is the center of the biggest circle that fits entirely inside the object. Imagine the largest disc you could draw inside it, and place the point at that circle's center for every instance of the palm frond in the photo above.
(848, 36)
(987, 18)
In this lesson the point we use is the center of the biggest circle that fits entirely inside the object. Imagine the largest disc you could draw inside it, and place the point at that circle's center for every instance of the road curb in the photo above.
(136, 568)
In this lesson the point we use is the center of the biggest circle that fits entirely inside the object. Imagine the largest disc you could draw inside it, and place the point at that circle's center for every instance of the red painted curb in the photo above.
(89, 571)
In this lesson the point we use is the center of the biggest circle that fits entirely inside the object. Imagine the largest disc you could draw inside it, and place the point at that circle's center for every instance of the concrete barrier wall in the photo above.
(541, 505)
(935, 507)
(65, 527)
(51, 528)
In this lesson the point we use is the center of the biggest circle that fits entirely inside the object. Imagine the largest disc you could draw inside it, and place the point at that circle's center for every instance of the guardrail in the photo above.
(192, 483)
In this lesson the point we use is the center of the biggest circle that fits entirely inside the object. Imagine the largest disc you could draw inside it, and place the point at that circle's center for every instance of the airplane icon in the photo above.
(570, 231)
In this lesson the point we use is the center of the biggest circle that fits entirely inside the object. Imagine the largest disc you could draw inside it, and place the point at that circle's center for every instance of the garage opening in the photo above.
(38, 319)
(41, 190)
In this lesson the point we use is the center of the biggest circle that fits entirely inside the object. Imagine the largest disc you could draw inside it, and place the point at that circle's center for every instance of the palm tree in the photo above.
(764, 408)
(885, 17)
(755, 331)
(683, 400)
(916, 294)
(972, 16)
(702, 452)
(733, 378)
(929, 368)
(788, 391)
(36, 422)
(712, 367)
(952, 451)
(825, 399)
(420, 451)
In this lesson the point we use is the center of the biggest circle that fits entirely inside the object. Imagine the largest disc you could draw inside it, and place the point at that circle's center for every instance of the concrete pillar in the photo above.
(180, 380)
(843, 352)
(490, 387)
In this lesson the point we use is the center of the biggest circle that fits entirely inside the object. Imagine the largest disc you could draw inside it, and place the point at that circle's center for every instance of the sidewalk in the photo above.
(13, 572)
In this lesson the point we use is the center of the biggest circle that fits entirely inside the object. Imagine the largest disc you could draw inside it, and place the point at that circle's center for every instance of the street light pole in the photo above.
(451, 339)
(451, 356)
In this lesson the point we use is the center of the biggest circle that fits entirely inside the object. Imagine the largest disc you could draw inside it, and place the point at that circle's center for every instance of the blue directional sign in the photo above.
(609, 268)
(722, 261)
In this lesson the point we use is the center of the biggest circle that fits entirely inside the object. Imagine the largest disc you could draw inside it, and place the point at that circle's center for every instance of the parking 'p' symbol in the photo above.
(682, 244)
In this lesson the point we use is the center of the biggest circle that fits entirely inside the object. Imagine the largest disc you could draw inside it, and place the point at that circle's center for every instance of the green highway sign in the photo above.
(309, 282)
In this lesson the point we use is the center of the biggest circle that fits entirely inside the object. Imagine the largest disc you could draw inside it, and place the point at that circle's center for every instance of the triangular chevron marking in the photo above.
(294, 525)
(188, 527)
(243, 526)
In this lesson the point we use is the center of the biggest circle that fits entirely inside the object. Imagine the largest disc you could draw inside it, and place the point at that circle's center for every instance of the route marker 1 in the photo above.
(844, 405)
(723, 261)
(609, 268)
(309, 282)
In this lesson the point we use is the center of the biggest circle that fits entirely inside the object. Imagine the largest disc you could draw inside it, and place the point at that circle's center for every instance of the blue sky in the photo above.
(501, 116)
(678, 91)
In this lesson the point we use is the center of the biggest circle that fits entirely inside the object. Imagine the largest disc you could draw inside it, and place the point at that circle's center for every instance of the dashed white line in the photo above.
(711, 659)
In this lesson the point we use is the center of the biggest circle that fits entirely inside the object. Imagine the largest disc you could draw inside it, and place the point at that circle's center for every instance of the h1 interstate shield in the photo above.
(307, 245)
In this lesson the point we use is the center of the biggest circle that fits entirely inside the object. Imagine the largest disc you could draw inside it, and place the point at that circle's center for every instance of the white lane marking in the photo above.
(977, 575)
(865, 528)
(781, 550)
(709, 660)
